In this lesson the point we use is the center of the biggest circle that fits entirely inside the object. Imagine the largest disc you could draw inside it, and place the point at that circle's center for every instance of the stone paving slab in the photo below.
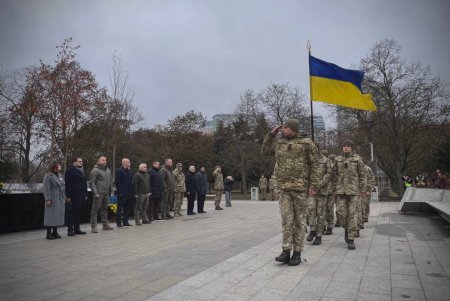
(229, 255)
(398, 257)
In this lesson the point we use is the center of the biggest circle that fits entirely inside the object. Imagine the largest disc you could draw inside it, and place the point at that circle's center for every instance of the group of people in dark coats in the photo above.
(66, 197)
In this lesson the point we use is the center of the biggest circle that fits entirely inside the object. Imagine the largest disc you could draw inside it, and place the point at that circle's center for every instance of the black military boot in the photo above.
(296, 259)
(317, 241)
(284, 257)
(70, 232)
(337, 225)
(351, 244)
(311, 236)
(366, 220)
(361, 226)
(346, 236)
(357, 233)
(329, 231)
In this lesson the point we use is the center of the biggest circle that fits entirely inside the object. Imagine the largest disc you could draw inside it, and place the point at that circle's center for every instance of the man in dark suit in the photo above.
(76, 194)
(156, 188)
(124, 188)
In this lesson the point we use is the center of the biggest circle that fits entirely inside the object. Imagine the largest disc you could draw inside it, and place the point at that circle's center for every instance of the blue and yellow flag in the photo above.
(333, 84)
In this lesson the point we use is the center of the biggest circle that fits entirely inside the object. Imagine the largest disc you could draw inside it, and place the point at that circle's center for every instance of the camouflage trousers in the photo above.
(316, 213)
(263, 193)
(272, 194)
(217, 197)
(178, 202)
(366, 205)
(347, 208)
(293, 210)
(329, 214)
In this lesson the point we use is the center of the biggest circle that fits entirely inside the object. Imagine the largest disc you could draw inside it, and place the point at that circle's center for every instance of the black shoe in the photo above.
(157, 219)
(119, 226)
(284, 257)
(317, 241)
(361, 226)
(311, 236)
(56, 235)
(296, 259)
(329, 231)
(219, 208)
(127, 224)
(70, 232)
(50, 236)
(357, 233)
(351, 244)
(346, 236)
(190, 213)
(168, 216)
(201, 212)
(146, 222)
(79, 232)
(337, 225)
(366, 220)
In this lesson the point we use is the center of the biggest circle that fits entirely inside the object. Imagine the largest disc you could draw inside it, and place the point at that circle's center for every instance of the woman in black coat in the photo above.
(76, 194)
(191, 189)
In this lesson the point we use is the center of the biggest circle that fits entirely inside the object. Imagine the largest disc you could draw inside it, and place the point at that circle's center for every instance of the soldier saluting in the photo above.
(297, 174)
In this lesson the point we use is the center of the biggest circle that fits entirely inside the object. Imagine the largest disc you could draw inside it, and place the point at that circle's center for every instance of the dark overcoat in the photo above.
(76, 188)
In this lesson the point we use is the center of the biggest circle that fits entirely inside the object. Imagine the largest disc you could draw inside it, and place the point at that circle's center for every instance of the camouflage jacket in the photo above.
(297, 167)
(349, 175)
(168, 179)
(218, 180)
(272, 183)
(325, 173)
(370, 179)
(179, 179)
(262, 182)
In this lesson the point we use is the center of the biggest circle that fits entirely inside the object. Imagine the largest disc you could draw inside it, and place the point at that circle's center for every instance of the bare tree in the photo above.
(281, 102)
(412, 104)
(123, 114)
(19, 91)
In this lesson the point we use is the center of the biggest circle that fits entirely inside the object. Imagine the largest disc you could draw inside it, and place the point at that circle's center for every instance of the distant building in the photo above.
(319, 124)
(226, 119)
(208, 130)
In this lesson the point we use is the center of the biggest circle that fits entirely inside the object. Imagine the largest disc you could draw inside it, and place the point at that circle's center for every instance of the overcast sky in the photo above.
(203, 55)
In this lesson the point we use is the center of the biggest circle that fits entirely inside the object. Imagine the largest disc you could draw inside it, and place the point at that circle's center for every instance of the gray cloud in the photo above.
(202, 55)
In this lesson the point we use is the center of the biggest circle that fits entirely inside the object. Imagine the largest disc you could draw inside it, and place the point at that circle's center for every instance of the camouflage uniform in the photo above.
(218, 187)
(168, 182)
(329, 215)
(272, 187)
(179, 190)
(317, 204)
(296, 170)
(263, 187)
(348, 183)
(371, 183)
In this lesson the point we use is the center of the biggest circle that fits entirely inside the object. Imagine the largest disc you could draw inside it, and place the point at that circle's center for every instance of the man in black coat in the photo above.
(156, 188)
(124, 188)
(191, 189)
(76, 194)
(202, 188)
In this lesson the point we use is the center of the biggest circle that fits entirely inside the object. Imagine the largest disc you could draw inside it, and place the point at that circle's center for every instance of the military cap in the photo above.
(293, 124)
(348, 143)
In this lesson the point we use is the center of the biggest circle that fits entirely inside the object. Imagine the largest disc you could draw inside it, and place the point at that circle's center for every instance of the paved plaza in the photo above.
(229, 255)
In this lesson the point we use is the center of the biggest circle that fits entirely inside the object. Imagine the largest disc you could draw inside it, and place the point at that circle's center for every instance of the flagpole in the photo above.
(308, 45)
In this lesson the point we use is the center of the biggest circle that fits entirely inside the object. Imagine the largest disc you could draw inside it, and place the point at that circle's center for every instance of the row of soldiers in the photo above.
(308, 183)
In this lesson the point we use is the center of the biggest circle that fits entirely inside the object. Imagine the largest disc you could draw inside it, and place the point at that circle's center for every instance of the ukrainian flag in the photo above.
(333, 84)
